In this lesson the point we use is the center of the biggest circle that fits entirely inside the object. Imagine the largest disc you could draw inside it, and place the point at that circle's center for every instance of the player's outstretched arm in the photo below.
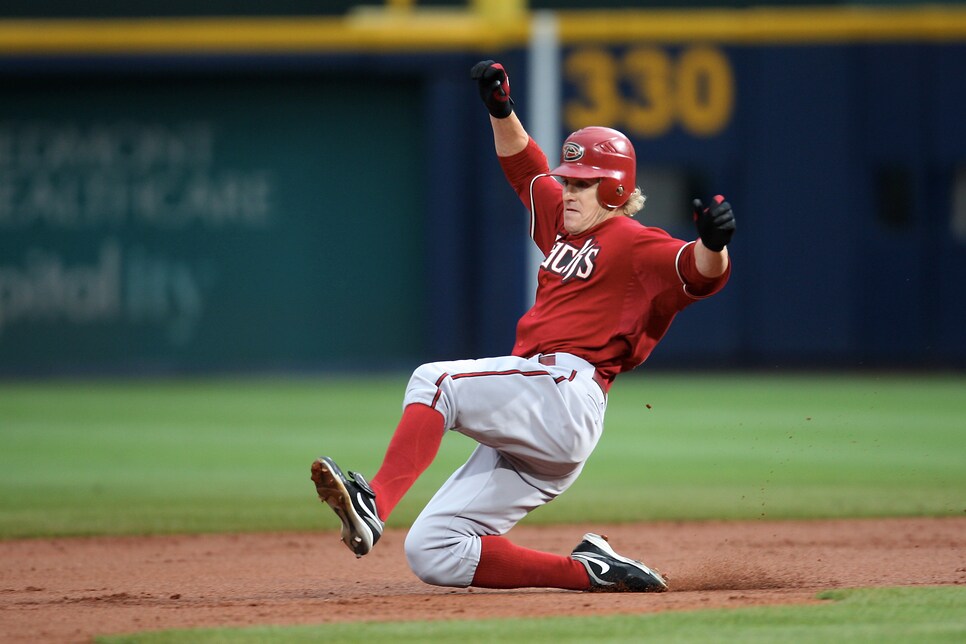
(509, 135)
(715, 225)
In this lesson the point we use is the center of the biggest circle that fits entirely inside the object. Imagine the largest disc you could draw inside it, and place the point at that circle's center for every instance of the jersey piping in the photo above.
(533, 206)
(677, 268)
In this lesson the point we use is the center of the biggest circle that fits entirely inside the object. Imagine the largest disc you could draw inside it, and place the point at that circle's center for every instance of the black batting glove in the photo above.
(715, 224)
(494, 87)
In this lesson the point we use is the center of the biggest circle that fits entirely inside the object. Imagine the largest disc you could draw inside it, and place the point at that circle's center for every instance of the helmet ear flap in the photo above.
(611, 193)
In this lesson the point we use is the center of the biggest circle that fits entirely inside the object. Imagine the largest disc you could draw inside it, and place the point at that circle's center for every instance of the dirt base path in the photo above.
(68, 590)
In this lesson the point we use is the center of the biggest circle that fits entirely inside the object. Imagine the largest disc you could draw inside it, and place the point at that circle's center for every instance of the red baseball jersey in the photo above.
(607, 294)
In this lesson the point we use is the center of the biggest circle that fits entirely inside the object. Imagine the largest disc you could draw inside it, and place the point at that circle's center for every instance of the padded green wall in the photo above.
(206, 222)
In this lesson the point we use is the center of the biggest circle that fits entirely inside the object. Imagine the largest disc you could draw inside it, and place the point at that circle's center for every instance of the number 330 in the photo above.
(695, 89)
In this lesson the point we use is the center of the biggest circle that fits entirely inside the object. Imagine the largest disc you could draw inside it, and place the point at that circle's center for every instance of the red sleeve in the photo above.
(696, 285)
(541, 194)
(668, 274)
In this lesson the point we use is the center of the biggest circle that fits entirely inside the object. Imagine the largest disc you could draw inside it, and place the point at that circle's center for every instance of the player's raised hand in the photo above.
(494, 86)
(715, 224)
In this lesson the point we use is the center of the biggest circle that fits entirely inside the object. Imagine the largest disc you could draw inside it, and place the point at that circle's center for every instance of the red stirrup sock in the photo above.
(411, 450)
(504, 564)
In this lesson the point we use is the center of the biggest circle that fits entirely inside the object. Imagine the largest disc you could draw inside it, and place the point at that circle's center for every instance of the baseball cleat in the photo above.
(353, 501)
(611, 573)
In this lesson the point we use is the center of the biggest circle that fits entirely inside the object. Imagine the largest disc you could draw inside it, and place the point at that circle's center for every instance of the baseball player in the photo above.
(606, 294)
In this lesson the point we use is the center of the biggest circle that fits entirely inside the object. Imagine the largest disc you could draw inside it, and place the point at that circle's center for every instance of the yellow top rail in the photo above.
(418, 30)
(771, 26)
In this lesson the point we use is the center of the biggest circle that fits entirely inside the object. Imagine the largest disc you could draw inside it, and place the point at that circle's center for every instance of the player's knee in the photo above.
(439, 557)
(426, 377)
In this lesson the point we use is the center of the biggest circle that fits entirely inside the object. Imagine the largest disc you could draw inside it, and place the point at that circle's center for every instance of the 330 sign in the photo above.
(646, 91)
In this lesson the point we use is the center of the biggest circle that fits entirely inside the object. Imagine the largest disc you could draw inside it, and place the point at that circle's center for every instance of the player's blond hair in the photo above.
(635, 203)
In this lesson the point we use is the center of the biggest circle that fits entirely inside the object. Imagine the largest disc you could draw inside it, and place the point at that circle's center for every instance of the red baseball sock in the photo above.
(411, 450)
(504, 564)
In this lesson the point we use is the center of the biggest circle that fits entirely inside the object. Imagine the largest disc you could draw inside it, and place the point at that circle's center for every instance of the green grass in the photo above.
(924, 614)
(782, 446)
(154, 457)
(126, 457)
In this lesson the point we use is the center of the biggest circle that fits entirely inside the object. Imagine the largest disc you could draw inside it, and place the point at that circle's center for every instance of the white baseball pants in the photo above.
(536, 425)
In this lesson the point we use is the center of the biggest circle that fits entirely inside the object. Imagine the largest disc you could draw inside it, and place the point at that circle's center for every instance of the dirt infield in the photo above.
(68, 590)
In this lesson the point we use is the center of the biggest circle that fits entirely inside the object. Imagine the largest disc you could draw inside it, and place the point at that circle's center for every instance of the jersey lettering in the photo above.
(570, 262)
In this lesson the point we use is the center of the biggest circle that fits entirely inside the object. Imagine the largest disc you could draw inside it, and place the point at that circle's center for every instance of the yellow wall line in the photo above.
(419, 30)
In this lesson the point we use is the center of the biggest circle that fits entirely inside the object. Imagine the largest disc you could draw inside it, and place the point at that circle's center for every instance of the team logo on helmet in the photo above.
(573, 152)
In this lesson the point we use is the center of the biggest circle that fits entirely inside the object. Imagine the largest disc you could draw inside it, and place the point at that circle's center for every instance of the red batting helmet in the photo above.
(600, 153)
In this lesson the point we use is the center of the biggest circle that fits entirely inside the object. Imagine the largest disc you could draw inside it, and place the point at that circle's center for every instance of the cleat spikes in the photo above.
(352, 500)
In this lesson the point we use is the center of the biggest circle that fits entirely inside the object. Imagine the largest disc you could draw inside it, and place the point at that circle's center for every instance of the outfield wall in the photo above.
(252, 194)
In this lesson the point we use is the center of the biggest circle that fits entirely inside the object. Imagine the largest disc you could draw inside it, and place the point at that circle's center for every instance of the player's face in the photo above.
(581, 209)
